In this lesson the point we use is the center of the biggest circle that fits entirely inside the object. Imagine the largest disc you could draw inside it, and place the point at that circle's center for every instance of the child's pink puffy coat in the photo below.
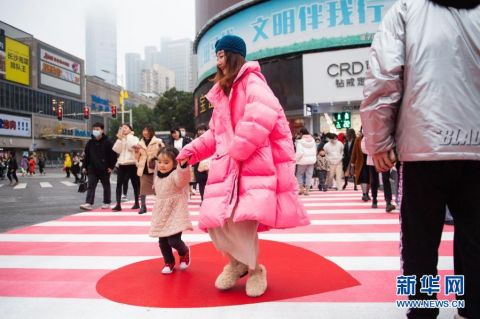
(253, 163)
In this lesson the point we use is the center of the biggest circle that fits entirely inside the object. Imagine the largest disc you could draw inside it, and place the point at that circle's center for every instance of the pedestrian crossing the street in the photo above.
(60, 263)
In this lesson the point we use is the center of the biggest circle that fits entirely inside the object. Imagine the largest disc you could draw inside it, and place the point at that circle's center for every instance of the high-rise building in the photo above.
(133, 69)
(101, 43)
(177, 55)
(150, 56)
(157, 79)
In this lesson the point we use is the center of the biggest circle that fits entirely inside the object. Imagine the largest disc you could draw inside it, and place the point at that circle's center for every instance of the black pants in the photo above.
(427, 188)
(202, 182)
(92, 186)
(126, 172)
(375, 183)
(167, 243)
(42, 169)
(125, 187)
(12, 174)
(67, 170)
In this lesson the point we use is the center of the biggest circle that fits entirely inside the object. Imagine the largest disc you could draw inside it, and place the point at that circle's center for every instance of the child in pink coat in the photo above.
(170, 215)
(251, 183)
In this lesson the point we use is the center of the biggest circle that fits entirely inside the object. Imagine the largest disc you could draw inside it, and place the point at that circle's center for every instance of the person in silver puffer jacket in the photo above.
(422, 97)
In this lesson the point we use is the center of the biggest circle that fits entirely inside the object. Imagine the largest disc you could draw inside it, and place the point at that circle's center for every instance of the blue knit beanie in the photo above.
(231, 43)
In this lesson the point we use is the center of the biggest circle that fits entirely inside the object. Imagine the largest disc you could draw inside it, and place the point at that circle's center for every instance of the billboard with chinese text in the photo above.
(280, 27)
(16, 62)
(12, 125)
(334, 76)
(59, 72)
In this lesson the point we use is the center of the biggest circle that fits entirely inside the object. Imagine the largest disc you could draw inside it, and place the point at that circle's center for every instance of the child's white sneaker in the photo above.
(185, 260)
(168, 269)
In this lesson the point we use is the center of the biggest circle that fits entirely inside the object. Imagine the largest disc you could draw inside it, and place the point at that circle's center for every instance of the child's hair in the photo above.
(170, 152)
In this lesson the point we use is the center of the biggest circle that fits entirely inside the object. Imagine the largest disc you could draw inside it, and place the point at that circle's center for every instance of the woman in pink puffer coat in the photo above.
(251, 183)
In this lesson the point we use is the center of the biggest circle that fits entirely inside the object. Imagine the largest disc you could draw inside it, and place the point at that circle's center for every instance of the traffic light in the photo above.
(59, 113)
(114, 110)
(86, 112)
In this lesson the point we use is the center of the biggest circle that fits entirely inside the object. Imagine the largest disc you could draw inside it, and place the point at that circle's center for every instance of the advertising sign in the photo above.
(12, 125)
(17, 62)
(99, 104)
(2, 52)
(335, 76)
(59, 72)
(279, 27)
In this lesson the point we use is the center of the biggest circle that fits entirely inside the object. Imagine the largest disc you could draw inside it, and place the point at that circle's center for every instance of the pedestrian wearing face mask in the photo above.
(98, 164)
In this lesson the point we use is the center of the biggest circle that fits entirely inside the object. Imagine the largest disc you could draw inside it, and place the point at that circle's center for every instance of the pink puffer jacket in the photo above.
(253, 165)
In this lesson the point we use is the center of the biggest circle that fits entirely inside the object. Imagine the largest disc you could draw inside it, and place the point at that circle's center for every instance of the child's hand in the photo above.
(182, 162)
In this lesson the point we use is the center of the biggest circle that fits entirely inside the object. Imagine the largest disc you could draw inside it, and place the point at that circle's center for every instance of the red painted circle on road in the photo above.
(291, 272)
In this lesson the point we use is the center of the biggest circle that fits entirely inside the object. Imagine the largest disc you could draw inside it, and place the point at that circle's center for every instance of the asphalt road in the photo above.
(42, 199)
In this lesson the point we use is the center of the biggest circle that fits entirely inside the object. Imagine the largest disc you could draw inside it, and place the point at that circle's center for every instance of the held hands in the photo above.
(384, 161)
(182, 161)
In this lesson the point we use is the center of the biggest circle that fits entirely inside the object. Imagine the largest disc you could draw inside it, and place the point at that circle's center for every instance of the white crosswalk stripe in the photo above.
(68, 183)
(45, 185)
(21, 186)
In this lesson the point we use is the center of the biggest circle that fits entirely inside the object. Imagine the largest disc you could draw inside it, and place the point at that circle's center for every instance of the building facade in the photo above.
(101, 43)
(38, 80)
(101, 96)
(313, 54)
(158, 79)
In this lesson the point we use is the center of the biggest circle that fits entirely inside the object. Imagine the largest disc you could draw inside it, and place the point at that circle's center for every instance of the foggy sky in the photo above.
(61, 23)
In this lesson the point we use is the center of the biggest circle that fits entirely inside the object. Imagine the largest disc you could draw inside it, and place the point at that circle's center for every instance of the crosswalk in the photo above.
(60, 262)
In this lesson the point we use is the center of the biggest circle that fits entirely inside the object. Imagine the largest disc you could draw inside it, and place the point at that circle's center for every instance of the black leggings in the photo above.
(126, 172)
(13, 174)
(167, 243)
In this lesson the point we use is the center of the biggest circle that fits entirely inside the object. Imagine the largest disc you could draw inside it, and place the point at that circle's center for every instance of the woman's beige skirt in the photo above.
(146, 183)
(239, 240)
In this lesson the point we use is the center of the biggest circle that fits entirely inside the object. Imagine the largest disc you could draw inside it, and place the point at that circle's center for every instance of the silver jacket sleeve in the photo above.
(422, 91)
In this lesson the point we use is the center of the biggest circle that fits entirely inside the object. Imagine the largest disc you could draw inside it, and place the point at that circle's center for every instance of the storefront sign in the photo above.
(99, 104)
(59, 72)
(12, 125)
(336, 76)
(279, 27)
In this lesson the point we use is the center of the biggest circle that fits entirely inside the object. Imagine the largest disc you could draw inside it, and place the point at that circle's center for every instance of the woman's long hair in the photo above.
(234, 63)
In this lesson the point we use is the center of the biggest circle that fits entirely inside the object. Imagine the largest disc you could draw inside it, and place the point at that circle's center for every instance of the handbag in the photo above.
(83, 184)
